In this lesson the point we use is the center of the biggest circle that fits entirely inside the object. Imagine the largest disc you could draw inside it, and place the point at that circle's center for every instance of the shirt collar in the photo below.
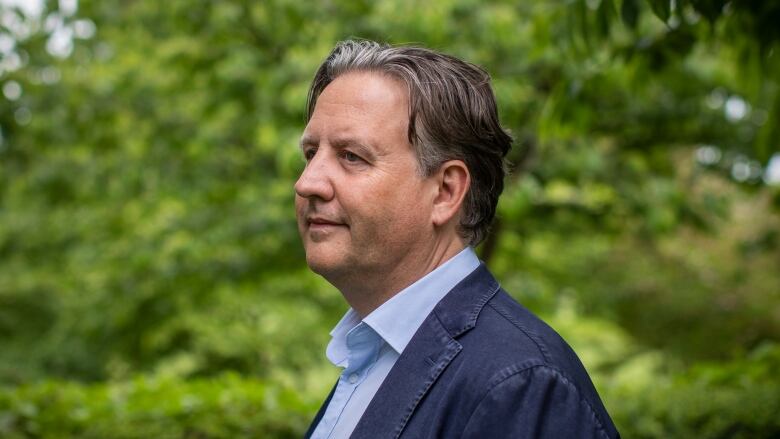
(398, 319)
(337, 351)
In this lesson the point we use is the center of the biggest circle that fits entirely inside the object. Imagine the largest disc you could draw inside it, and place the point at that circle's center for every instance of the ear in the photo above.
(453, 181)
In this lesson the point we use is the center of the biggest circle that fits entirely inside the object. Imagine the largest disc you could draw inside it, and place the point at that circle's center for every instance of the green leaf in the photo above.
(629, 12)
(710, 9)
(661, 8)
(604, 16)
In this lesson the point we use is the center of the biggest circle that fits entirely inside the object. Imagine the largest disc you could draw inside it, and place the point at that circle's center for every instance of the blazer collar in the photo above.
(459, 309)
(427, 355)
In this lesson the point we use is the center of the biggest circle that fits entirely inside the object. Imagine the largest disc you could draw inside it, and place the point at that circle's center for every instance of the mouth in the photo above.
(318, 223)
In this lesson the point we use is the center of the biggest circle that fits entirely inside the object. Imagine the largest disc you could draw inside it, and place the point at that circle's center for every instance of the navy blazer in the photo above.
(483, 366)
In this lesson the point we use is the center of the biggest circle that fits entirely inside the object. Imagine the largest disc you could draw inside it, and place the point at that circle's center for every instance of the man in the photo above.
(404, 165)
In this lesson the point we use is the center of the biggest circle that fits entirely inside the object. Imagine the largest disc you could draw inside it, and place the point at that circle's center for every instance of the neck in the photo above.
(372, 289)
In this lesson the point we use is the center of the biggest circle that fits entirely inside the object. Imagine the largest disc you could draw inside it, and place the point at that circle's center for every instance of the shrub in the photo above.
(227, 406)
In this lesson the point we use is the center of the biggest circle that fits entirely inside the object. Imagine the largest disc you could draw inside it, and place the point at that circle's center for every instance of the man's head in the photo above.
(405, 163)
(452, 116)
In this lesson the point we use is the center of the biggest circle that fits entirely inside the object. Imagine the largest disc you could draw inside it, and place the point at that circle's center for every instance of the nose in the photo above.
(315, 180)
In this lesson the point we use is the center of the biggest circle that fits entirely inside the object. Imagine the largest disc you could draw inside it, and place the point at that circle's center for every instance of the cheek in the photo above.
(405, 209)
(300, 209)
(386, 202)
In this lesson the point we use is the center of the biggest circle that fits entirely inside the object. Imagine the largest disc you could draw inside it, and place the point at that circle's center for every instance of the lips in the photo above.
(319, 223)
(322, 221)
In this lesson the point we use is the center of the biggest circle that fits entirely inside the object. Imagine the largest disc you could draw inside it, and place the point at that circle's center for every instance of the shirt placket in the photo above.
(363, 345)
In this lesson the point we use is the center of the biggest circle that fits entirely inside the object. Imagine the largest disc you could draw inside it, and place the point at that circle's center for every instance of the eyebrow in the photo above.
(349, 143)
(308, 141)
(339, 144)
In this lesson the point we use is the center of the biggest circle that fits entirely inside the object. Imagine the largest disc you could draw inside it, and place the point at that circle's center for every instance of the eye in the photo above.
(351, 157)
(308, 153)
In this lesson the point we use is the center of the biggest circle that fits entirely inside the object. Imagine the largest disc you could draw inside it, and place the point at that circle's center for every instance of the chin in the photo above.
(323, 263)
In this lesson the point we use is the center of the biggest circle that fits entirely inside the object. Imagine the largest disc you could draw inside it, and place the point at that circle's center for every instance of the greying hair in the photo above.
(452, 116)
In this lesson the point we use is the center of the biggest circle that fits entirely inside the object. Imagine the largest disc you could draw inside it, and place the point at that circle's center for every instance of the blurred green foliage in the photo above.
(225, 406)
(151, 279)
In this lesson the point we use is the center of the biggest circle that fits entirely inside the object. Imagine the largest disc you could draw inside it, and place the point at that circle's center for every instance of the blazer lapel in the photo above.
(426, 356)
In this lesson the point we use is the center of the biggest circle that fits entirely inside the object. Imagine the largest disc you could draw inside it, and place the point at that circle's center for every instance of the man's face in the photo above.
(362, 207)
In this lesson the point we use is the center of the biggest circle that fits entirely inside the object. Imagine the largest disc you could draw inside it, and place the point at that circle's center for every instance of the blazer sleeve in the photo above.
(535, 402)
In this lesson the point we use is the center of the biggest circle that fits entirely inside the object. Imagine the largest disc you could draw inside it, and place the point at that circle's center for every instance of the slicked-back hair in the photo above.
(452, 116)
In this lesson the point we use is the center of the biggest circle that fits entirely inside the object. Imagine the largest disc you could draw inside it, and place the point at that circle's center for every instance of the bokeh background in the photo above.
(152, 284)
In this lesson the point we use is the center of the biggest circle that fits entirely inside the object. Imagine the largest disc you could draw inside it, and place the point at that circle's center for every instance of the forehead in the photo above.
(368, 106)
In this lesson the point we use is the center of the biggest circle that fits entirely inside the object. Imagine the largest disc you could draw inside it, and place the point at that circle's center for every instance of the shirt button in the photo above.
(353, 378)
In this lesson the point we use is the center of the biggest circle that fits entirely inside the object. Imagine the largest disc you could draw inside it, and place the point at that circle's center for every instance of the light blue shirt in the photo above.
(367, 349)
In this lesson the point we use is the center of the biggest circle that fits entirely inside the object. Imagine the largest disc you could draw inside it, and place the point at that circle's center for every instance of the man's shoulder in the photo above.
(506, 333)
(523, 335)
(511, 352)
(481, 357)
(488, 322)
